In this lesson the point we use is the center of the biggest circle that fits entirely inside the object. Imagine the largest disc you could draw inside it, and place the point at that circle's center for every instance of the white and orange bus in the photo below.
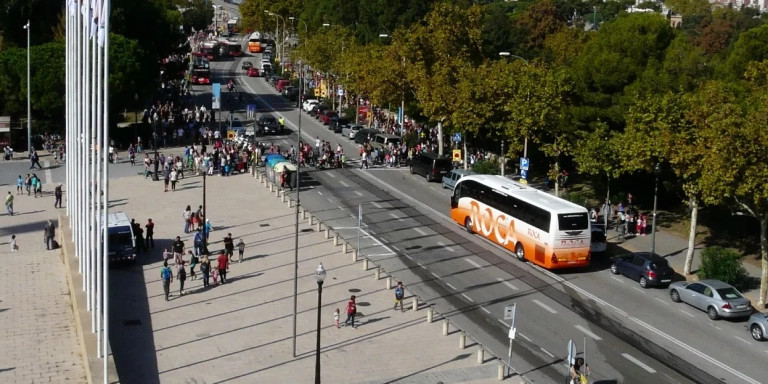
(254, 43)
(544, 229)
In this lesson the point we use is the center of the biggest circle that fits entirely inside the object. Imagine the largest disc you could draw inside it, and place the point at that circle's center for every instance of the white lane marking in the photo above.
(485, 310)
(588, 332)
(507, 283)
(451, 286)
(341, 208)
(446, 247)
(352, 216)
(409, 256)
(344, 184)
(546, 307)
(714, 326)
(331, 174)
(551, 274)
(435, 275)
(377, 205)
(547, 352)
(359, 193)
(48, 176)
(467, 297)
(396, 248)
(528, 339)
(420, 231)
(661, 301)
(330, 200)
(503, 322)
(686, 313)
(394, 215)
(319, 193)
(638, 289)
(638, 363)
(743, 340)
(422, 266)
(474, 263)
(617, 279)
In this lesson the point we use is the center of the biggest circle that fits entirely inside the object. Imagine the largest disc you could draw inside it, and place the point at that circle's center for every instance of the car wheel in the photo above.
(412, 172)
(468, 225)
(614, 269)
(520, 252)
(643, 282)
(675, 295)
(712, 313)
(757, 332)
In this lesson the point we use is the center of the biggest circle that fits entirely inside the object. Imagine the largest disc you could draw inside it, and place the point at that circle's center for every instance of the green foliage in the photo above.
(198, 15)
(724, 265)
(751, 45)
(688, 7)
(486, 167)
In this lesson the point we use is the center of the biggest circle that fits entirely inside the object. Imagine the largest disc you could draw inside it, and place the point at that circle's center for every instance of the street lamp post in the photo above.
(306, 29)
(656, 170)
(29, 103)
(320, 277)
(525, 142)
(281, 51)
(298, 204)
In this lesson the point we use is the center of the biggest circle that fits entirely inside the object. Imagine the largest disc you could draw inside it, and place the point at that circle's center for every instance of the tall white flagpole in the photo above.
(96, 247)
(92, 164)
(85, 155)
(105, 16)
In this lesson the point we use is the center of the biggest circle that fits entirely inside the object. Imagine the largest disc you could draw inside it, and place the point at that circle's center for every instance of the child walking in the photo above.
(240, 250)
(15, 247)
(336, 318)
(215, 276)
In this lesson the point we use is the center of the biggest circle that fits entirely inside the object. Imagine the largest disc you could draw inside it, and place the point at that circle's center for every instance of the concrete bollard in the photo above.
(304, 214)
(378, 273)
(318, 227)
(284, 198)
(462, 340)
(311, 220)
(354, 256)
(328, 234)
(290, 203)
(445, 327)
(389, 282)
(480, 355)
(502, 371)
(415, 304)
(346, 247)
(277, 192)
(365, 264)
(336, 240)
(430, 315)
(271, 187)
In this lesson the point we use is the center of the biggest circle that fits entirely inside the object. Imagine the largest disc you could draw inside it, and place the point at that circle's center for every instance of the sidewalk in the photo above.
(39, 338)
(242, 331)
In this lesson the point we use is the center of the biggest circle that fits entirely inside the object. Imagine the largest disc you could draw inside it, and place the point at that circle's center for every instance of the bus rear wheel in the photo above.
(520, 252)
(468, 225)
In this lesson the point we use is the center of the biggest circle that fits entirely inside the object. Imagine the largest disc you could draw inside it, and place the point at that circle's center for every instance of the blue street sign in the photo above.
(524, 174)
(524, 163)
(456, 137)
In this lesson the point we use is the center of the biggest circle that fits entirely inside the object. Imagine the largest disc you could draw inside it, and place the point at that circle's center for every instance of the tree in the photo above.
(688, 7)
(535, 24)
(751, 45)
(198, 15)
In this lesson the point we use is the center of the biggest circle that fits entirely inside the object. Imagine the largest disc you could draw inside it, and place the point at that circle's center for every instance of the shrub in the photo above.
(486, 167)
(723, 264)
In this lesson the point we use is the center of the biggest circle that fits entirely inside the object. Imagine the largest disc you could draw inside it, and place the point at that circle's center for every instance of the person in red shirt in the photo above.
(223, 266)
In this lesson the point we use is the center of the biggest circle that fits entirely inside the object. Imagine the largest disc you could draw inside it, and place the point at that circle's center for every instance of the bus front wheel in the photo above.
(468, 225)
(520, 252)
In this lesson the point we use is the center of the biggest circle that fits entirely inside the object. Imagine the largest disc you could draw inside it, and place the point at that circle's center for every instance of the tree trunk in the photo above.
(764, 257)
(557, 179)
(691, 237)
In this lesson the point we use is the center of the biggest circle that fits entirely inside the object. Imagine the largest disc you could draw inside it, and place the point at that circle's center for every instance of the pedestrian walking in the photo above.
(178, 248)
(174, 178)
(240, 250)
(166, 255)
(19, 185)
(199, 243)
(181, 275)
(166, 179)
(150, 232)
(193, 261)
(57, 193)
(28, 183)
(205, 269)
(35, 160)
(9, 203)
(187, 216)
(223, 265)
(167, 276)
(14, 246)
(336, 318)
(38, 186)
(229, 246)
(208, 228)
(49, 234)
(351, 312)
(399, 295)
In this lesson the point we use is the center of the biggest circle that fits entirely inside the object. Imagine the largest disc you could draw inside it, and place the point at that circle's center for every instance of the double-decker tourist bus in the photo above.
(200, 71)
(254, 43)
(546, 230)
(210, 49)
(231, 48)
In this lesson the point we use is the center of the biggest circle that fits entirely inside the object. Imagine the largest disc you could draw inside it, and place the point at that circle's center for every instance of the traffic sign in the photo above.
(523, 174)
(524, 163)
(456, 137)
(457, 155)
(340, 91)
(512, 333)
(509, 312)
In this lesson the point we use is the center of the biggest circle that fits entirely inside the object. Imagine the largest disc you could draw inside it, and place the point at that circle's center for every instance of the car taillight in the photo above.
(651, 274)
(727, 306)
(554, 258)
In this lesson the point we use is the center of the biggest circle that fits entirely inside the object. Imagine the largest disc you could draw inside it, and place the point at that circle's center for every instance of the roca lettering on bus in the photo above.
(502, 227)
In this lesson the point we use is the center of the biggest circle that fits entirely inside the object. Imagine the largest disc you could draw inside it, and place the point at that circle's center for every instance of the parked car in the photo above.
(364, 135)
(273, 80)
(282, 83)
(430, 165)
(252, 72)
(338, 124)
(598, 243)
(326, 117)
(308, 104)
(351, 130)
(644, 267)
(450, 180)
(246, 65)
(758, 326)
(318, 109)
(715, 297)
(269, 125)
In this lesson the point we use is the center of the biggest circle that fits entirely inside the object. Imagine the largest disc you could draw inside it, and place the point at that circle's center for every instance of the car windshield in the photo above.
(729, 293)
(659, 264)
(268, 119)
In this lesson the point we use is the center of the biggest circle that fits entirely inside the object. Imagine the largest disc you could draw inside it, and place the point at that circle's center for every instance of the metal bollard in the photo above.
(445, 327)
(378, 273)
(354, 256)
(389, 282)
(328, 233)
(430, 315)
(415, 304)
(502, 371)
(462, 340)
(336, 240)
(480, 355)
(365, 264)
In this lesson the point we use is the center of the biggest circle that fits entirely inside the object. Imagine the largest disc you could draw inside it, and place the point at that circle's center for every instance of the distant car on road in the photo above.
(308, 104)
(430, 165)
(252, 72)
(646, 268)
(269, 125)
(715, 297)
(449, 180)
(758, 326)
(246, 65)
(351, 130)
(598, 243)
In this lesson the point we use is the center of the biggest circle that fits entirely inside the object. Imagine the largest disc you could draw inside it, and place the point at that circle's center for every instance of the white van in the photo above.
(122, 245)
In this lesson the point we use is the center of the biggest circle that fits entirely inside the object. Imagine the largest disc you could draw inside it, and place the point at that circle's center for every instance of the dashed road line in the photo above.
(420, 231)
(320, 193)
(331, 174)
(661, 301)
(507, 283)
(528, 339)
(503, 322)
(451, 286)
(422, 266)
(639, 363)
(485, 310)
(686, 313)
(377, 205)
(474, 263)
(48, 176)
(617, 279)
(446, 247)
(546, 307)
(344, 184)
(743, 340)
(330, 200)
(547, 352)
(409, 256)
(435, 275)
(588, 332)
(467, 297)
(393, 215)
(359, 193)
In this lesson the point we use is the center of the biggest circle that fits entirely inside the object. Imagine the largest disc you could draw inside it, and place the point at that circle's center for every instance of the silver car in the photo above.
(758, 326)
(715, 297)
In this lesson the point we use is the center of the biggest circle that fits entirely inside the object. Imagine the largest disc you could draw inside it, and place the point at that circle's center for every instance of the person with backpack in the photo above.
(182, 276)
(167, 276)
(399, 295)
(205, 269)
(193, 261)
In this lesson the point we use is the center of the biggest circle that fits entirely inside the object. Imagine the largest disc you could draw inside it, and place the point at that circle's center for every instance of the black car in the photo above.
(649, 269)
(364, 135)
(247, 65)
(318, 110)
(432, 166)
(338, 123)
(269, 125)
